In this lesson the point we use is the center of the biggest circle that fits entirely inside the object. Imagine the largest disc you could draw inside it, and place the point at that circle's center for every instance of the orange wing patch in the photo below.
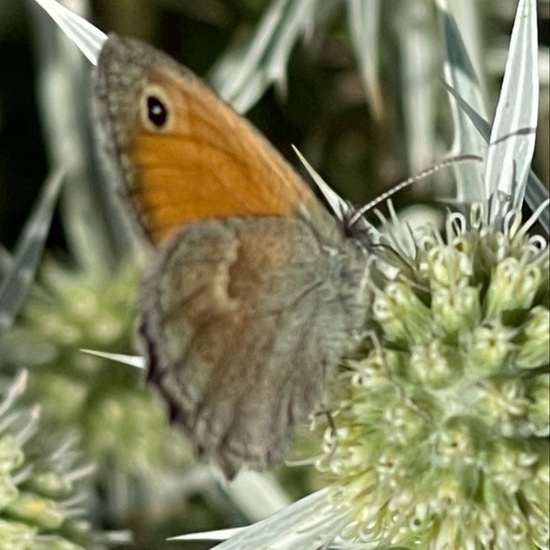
(209, 163)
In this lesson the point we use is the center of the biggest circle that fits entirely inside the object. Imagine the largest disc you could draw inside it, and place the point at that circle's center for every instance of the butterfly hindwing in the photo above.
(242, 317)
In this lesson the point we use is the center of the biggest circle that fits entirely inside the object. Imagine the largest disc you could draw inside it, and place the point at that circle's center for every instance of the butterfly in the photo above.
(253, 291)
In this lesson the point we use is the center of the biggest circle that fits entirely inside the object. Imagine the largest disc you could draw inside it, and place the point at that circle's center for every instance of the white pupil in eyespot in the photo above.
(156, 111)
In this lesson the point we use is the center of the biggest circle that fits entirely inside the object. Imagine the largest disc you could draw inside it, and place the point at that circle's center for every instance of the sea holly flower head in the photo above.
(43, 490)
(442, 416)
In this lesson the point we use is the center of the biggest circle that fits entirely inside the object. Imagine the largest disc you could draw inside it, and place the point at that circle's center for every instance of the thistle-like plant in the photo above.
(42, 489)
(442, 416)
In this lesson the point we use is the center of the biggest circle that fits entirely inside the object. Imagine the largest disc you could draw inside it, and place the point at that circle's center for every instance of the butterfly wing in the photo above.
(178, 152)
(253, 290)
(241, 318)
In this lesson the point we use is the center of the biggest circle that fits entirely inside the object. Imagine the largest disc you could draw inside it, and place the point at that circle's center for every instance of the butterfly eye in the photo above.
(157, 112)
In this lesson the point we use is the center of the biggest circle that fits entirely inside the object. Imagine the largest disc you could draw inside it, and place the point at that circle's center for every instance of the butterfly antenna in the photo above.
(357, 214)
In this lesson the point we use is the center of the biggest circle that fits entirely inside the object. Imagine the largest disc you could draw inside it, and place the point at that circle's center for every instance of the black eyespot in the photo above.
(157, 112)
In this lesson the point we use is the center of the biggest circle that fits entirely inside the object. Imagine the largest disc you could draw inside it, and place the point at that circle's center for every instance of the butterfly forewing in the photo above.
(202, 160)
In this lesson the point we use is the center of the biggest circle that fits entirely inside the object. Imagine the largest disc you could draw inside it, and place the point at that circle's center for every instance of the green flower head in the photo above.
(41, 488)
(442, 417)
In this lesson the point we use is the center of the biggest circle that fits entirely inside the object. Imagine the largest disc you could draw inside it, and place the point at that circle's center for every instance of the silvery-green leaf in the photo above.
(242, 75)
(340, 208)
(130, 360)
(535, 193)
(29, 249)
(469, 16)
(461, 76)
(364, 26)
(86, 36)
(513, 134)
(417, 49)
(257, 495)
(96, 233)
(219, 534)
(308, 524)
(337, 204)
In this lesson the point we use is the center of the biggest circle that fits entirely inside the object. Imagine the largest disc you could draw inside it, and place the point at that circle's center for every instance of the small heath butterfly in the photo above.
(253, 289)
